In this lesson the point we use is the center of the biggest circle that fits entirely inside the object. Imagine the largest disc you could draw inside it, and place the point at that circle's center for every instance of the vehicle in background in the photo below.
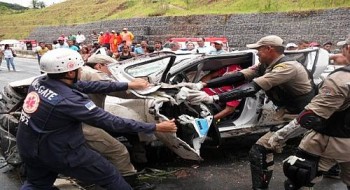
(29, 44)
(209, 41)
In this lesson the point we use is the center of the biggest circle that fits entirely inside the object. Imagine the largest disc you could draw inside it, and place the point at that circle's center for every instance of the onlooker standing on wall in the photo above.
(101, 39)
(72, 37)
(127, 36)
(106, 39)
(9, 54)
(94, 37)
(80, 38)
(114, 41)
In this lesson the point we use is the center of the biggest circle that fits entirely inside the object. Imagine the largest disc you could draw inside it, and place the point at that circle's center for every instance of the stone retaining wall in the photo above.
(240, 29)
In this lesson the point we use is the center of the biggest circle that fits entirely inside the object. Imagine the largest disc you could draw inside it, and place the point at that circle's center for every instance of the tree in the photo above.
(41, 4)
(34, 4)
(38, 4)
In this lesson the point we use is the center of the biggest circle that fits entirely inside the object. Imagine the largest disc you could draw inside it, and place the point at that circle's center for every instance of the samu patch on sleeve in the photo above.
(90, 105)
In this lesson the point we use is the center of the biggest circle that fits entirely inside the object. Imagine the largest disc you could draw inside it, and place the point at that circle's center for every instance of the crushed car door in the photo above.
(151, 100)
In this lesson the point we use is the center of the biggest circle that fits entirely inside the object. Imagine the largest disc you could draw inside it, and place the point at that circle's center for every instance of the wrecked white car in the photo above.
(168, 72)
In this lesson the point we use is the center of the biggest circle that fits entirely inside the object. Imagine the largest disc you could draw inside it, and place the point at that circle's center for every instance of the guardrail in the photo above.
(26, 54)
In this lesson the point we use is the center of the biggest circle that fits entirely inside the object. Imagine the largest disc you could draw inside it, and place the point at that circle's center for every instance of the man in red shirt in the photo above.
(106, 38)
(231, 105)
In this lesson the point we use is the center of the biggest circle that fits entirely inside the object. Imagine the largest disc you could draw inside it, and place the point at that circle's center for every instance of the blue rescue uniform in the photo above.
(50, 138)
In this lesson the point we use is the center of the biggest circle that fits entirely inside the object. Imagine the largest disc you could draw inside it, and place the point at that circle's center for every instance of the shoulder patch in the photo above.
(90, 105)
(31, 103)
(280, 66)
(327, 91)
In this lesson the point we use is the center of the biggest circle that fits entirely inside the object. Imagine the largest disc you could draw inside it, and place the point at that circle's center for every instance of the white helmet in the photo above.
(60, 61)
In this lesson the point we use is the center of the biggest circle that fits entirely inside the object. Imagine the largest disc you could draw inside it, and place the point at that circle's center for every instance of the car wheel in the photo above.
(10, 95)
(10, 99)
(9, 123)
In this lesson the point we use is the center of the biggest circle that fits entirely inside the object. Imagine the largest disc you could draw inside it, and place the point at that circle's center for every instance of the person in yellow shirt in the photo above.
(42, 49)
(127, 36)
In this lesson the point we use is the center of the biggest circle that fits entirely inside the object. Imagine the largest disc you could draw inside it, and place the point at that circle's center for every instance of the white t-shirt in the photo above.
(8, 53)
(204, 49)
(80, 38)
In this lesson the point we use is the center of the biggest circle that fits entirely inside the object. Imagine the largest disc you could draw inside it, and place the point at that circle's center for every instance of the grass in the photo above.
(19, 24)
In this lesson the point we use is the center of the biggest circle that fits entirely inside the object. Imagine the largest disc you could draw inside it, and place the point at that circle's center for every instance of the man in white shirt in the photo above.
(80, 38)
(202, 48)
(218, 48)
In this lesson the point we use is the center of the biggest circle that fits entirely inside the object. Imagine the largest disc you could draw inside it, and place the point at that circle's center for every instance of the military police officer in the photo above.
(286, 82)
(328, 141)
(50, 138)
(98, 139)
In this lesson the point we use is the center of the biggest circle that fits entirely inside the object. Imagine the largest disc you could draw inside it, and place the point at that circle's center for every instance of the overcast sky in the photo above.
(27, 3)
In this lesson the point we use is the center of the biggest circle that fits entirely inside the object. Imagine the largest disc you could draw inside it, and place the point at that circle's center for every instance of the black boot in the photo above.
(261, 175)
(333, 172)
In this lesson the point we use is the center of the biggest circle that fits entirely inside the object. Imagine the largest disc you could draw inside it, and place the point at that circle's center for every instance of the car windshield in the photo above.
(147, 68)
(156, 66)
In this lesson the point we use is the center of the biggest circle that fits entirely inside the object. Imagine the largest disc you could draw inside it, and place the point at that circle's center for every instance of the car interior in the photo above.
(194, 72)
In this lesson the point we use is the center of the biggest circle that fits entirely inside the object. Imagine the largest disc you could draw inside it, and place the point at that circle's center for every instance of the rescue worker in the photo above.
(327, 143)
(98, 139)
(50, 138)
(286, 82)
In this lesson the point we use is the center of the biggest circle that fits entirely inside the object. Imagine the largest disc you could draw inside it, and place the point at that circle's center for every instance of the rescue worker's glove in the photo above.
(193, 86)
(196, 97)
(278, 139)
(138, 84)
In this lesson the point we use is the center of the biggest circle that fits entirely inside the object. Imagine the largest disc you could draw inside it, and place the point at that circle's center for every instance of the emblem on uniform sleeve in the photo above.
(326, 91)
(90, 105)
(31, 103)
(280, 67)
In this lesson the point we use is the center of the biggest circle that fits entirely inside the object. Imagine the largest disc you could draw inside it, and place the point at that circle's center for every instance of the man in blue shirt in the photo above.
(50, 138)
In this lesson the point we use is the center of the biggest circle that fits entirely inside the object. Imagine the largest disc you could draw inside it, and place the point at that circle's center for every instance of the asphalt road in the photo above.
(25, 68)
(222, 168)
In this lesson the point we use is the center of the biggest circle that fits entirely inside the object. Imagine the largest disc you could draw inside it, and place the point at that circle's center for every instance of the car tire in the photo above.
(9, 95)
(10, 98)
(9, 123)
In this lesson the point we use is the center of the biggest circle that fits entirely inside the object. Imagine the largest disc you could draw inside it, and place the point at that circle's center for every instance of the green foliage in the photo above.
(7, 8)
(20, 21)
(15, 7)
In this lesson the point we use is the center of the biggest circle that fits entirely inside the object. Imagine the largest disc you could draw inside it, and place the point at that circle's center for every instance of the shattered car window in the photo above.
(145, 69)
